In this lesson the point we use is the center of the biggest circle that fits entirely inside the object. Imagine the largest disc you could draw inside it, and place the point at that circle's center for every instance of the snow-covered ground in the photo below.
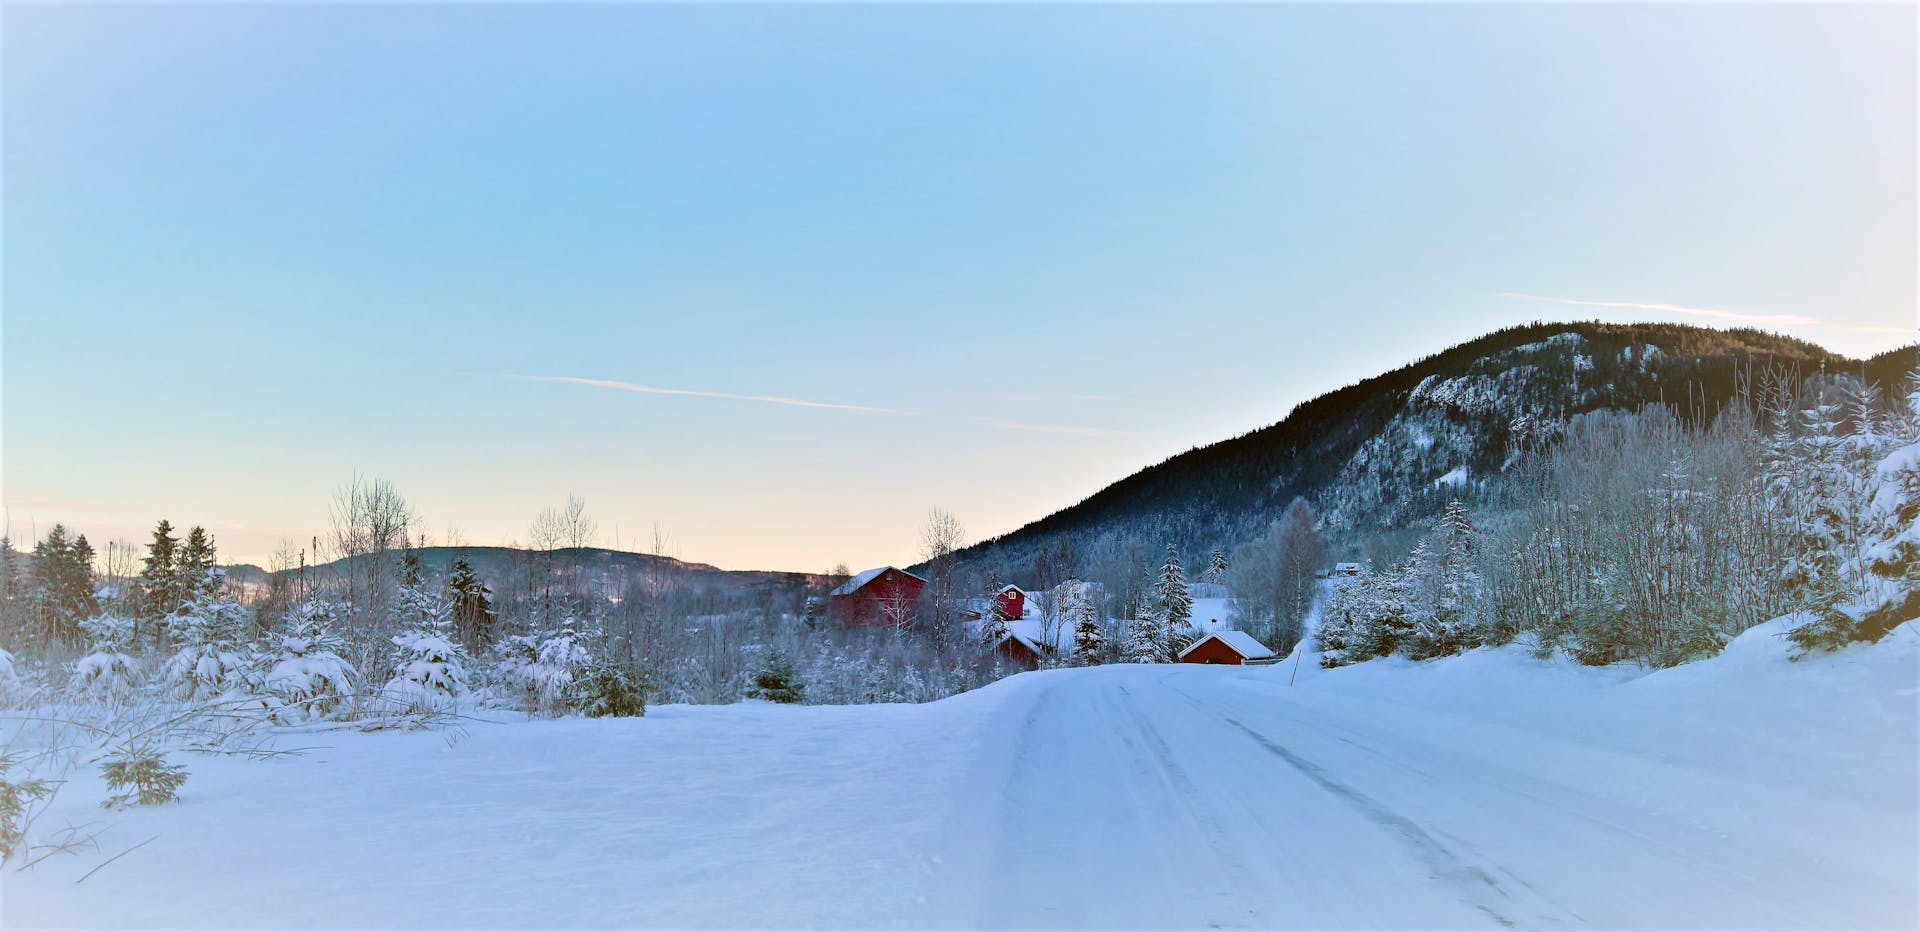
(1485, 790)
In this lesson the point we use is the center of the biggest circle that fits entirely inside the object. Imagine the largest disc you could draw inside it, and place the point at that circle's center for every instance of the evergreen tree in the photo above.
(195, 562)
(308, 676)
(211, 629)
(1217, 567)
(428, 675)
(1077, 609)
(473, 614)
(108, 673)
(160, 578)
(1172, 603)
(776, 680)
(993, 621)
(62, 590)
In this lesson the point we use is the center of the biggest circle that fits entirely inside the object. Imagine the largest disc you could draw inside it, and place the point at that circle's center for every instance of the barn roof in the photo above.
(1010, 587)
(1241, 642)
(853, 585)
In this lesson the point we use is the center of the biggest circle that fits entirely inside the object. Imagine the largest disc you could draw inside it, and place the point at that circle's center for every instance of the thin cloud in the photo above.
(695, 393)
(1778, 320)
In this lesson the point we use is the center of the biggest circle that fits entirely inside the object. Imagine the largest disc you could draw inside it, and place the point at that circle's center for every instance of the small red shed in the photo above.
(1012, 602)
(882, 597)
(1228, 647)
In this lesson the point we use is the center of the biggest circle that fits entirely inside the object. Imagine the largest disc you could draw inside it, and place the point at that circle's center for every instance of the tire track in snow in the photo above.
(1478, 888)
(1187, 794)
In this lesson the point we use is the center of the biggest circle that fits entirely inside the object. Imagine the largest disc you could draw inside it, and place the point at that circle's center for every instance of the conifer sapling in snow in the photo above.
(308, 676)
(776, 680)
(107, 672)
(429, 676)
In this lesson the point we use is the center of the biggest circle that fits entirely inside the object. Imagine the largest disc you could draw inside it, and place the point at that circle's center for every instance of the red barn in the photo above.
(1012, 602)
(1229, 647)
(882, 596)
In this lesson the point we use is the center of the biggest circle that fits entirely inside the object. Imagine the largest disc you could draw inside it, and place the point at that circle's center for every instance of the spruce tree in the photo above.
(1173, 603)
(1217, 567)
(1077, 609)
(473, 615)
(160, 578)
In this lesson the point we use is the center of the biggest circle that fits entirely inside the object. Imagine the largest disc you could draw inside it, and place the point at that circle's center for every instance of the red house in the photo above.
(1012, 602)
(1229, 647)
(882, 597)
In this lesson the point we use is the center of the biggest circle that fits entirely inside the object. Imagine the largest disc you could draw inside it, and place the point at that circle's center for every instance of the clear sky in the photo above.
(986, 258)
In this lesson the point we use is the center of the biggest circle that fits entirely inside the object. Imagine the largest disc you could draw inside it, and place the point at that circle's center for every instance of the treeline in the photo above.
(1642, 537)
(383, 634)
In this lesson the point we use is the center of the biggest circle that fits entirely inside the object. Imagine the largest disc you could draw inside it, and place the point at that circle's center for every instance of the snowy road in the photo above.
(1205, 798)
(1484, 791)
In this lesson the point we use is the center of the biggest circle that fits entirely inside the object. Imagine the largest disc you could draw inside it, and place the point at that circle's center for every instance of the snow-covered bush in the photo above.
(107, 673)
(12, 689)
(543, 669)
(429, 677)
(307, 675)
(212, 660)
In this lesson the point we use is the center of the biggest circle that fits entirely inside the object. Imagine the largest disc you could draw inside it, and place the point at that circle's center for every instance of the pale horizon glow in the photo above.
(804, 271)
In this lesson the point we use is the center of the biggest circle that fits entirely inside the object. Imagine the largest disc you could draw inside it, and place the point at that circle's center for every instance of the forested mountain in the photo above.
(508, 570)
(1394, 448)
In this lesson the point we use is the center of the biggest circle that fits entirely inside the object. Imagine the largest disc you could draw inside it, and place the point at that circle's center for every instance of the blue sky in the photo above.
(1004, 254)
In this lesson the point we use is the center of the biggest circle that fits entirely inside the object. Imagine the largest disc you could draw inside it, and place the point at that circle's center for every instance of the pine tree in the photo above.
(1173, 604)
(428, 676)
(1217, 567)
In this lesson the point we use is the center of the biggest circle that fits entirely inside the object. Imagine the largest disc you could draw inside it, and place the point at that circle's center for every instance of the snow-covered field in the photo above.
(1484, 790)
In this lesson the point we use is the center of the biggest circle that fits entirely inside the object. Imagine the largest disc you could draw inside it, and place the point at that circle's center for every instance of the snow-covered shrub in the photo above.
(429, 676)
(543, 669)
(212, 660)
(11, 686)
(1891, 557)
(307, 674)
(107, 673)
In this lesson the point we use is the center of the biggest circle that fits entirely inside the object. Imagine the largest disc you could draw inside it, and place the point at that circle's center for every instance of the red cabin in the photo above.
(883, 597)
(1229, 647)
(1019, 651)
(1012, 602)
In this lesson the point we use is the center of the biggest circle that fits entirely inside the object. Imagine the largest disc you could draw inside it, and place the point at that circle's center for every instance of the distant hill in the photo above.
(1391, 449)
(508, 569)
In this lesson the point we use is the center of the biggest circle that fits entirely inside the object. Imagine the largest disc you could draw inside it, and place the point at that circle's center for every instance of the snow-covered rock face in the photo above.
(1453, 432)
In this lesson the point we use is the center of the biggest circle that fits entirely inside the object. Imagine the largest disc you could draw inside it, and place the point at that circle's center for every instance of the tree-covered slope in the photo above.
(1395, 446)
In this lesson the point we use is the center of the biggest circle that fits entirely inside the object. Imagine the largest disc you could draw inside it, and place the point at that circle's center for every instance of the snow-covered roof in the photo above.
(853, 585)
(1010, 587)
(1025, 641)
(1241, 642)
